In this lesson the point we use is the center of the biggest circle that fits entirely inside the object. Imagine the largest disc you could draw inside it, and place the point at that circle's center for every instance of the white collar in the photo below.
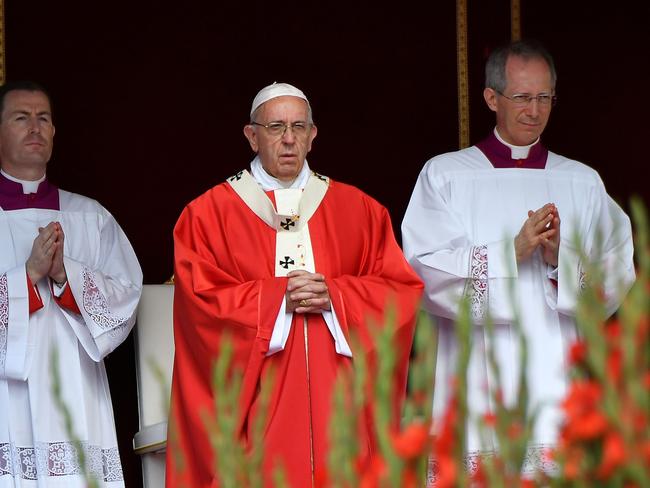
(268, 182)
(517, 152)
(28, 186)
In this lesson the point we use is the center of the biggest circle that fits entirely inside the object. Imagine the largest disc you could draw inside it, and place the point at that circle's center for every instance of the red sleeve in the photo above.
(35, 301)
(384, 283)
(66, 300)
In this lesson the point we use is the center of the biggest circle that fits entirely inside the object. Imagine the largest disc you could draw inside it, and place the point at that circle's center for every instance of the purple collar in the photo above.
(500, 155)
(13, 198)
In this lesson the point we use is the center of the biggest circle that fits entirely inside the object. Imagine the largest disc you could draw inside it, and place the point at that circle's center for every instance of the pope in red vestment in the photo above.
(288, 265)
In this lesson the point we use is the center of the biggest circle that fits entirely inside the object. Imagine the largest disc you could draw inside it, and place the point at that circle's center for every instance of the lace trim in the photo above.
(96, 305)
(4, 319)
(477, 285)
(537, 460)
(57, 459)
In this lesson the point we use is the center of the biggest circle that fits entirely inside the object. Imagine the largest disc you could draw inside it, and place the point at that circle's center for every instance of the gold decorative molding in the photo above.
(2, 43)
(461, 67)
(515, 20)
(462, 62)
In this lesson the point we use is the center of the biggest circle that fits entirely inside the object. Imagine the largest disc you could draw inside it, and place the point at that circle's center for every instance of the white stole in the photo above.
(295, 207)
(293, 249)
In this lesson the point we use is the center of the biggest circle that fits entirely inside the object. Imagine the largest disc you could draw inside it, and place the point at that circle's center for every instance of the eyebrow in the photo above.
(27, 112)
(529, 93)
(283, 122)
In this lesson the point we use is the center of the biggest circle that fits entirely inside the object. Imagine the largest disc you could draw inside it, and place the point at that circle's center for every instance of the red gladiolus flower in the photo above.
(409, 480)
(588, 426)
(548, 455)
(443, 448)
(411, 441)
(375, 472)
(444, 441)
(613, 330)
(613, 455)
(448, 472)
(479, 478)
(490, 419)
(578, 352)
(582, 396)
(614, 364)
(572, 465)
(584, 421)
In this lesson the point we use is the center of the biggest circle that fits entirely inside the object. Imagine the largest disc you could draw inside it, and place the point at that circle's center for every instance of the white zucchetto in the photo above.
(276, 90)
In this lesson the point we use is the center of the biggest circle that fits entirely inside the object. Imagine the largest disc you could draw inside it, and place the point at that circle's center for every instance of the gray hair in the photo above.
(495, 68)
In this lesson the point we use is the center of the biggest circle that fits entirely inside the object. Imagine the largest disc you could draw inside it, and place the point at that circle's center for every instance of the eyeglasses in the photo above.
(523, 99)
(278, 129)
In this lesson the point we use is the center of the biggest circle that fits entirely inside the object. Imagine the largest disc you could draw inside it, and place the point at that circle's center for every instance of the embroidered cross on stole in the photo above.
(295, 207)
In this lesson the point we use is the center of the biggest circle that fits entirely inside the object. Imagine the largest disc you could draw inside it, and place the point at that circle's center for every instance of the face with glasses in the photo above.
(523, 108)
(281, 136)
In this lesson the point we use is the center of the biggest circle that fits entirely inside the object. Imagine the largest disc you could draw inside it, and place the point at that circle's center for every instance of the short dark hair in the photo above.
(495, 68)
(24, 85)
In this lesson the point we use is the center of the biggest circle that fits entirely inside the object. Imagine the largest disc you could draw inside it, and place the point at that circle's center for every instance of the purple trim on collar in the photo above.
(13, 198)
(501, 157)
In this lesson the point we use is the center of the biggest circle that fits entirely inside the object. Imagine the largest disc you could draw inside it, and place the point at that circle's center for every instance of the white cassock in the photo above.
(458, 234)
(106, 281)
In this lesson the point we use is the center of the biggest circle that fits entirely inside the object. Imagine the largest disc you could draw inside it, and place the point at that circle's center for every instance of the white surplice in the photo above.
(458, 234)
(106, 281)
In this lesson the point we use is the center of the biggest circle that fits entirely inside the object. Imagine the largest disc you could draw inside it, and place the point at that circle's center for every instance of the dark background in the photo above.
(150, 98)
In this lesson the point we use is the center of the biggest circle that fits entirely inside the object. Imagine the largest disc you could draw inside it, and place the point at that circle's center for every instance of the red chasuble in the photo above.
(225, 286)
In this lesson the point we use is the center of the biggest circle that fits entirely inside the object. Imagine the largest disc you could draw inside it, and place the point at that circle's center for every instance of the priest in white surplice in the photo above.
(70, 282)
(502, 213)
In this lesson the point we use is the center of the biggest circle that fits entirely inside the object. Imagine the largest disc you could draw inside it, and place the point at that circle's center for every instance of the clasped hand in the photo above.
(46, 258)
(542, 228)
(307, 292)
